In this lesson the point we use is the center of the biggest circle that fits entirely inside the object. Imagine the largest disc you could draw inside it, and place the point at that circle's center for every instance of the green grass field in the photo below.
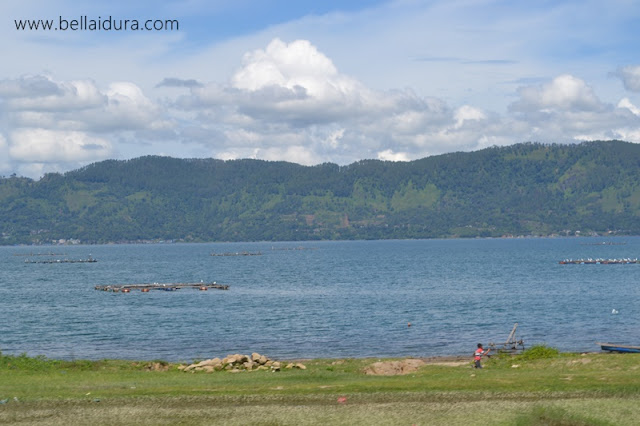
(538, 387)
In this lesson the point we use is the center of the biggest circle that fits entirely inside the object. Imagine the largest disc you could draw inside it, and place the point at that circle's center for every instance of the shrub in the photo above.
(538, 352)
(25, 362)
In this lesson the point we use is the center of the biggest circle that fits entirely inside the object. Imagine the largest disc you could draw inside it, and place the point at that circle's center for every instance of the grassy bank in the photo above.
(541, 387)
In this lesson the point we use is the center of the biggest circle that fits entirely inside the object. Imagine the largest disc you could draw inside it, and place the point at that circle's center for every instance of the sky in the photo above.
(311, 82)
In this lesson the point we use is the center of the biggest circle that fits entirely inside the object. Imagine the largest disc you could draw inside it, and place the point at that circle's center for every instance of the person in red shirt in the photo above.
(478, 354)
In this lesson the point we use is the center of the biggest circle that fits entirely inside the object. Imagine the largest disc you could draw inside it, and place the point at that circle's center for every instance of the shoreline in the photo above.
(427, 360)
(179, 241)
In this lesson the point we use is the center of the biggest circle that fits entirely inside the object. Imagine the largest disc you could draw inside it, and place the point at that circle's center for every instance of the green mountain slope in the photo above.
(516, 190)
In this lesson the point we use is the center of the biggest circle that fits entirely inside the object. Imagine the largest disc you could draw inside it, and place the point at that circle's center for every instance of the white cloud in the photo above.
(54, 146)
(626, 103)
(288, 94)
(333, 141)
(289, 65)
(295, 154)
(628, 128)
(41, 93)
(291, 101)
(389, 155)
(564, 92)
(37, 85)
(128, 108)
(629, 135)
(291, 96)
(40, 101)
(292, 153)
(468, 113)
(630, 76)
(57, 125)
(297, 83)
(5, 165)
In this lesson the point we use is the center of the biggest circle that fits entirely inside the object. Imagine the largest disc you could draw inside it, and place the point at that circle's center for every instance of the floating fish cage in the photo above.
(145, 288)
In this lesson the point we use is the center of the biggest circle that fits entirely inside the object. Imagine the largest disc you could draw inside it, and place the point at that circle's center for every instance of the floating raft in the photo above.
(89, 260)
(240, 253)
(598, 261)
(145, 288)
(40, 254)
(292, 248)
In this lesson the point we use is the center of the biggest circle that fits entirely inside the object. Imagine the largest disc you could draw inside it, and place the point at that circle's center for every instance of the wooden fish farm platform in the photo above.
(89, 260)
(40, 254)
(292, 248)
(145, 288)
(240, 253)
(598, 261)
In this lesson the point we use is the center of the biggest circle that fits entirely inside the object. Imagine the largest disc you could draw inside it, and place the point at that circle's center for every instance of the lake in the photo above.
(318, 299)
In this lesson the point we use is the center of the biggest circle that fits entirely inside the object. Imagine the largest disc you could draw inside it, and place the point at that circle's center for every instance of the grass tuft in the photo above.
(555, 416)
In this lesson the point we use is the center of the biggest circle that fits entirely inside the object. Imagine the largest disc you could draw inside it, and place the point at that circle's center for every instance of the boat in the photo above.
(614, 347)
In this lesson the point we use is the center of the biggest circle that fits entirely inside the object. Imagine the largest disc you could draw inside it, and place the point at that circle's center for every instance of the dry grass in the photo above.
(207, 411)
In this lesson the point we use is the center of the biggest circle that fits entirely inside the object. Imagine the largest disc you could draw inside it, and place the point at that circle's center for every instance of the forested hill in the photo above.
(524, 189)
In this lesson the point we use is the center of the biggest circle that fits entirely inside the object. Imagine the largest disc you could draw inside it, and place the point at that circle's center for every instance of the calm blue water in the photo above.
(340, 299)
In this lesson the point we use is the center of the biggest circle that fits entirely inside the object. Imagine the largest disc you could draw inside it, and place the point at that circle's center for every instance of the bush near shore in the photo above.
(540, 386)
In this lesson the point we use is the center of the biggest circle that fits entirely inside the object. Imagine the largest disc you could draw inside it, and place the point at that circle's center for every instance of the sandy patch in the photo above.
(393, 368)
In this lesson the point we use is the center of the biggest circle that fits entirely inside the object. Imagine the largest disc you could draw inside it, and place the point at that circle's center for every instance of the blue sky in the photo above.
(312, 82)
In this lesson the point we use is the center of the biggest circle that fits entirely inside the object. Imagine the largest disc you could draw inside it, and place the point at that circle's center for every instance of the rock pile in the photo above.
(236, 363)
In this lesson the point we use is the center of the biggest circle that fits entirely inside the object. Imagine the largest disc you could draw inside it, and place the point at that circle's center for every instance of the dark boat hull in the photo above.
(612, 347)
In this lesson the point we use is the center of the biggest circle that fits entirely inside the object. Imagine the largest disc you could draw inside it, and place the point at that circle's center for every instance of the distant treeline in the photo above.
(524, 189)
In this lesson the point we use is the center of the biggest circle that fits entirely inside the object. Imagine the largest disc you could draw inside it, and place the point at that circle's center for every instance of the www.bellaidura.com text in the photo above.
(85, 23)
